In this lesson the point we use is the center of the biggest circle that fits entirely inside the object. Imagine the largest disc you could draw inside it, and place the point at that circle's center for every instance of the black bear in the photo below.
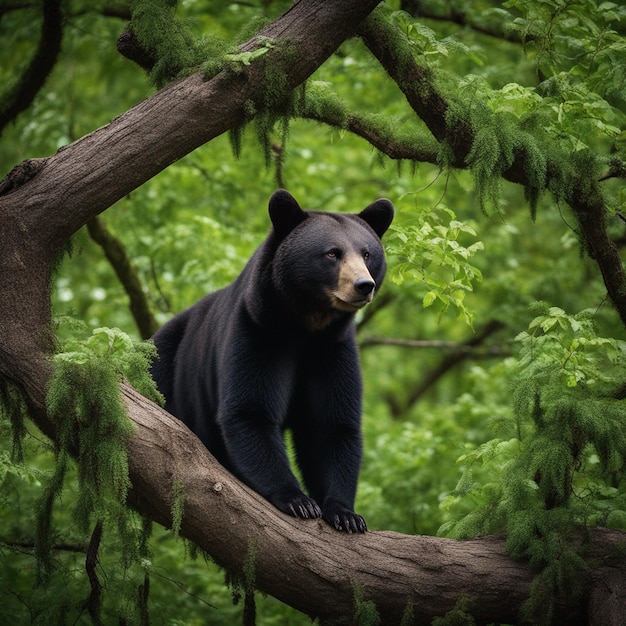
(276, 350)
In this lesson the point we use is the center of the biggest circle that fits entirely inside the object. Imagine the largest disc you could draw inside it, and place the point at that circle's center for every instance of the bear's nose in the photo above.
(364, 286)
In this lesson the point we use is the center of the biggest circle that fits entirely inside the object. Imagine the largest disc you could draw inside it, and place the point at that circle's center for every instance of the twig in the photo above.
(451, 346)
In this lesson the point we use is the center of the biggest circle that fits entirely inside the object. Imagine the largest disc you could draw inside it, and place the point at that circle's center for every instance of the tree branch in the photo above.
(35, 75)
(306, 564)
(452, 360)
(369, 128)
(457, 354)
(416, 8)
(430, 344)
(91, 563)
(389, 46)
(127, 274)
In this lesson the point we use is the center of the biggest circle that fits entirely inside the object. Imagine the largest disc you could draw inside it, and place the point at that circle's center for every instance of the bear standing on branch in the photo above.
(276, 349)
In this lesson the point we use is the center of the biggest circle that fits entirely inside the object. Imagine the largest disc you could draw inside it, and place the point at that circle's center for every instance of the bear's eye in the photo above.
(334, 253)
(366, 255)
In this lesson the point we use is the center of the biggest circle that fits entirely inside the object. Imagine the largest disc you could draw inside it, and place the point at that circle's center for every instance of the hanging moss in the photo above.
(273, 107)
(13, 409)
(460, 615)
(365, 612)
(243, 584)
(85, 405)
(178, 504)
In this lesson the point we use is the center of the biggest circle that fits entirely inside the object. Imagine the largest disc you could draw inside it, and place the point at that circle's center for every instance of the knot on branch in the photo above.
(128, 45)
(20, 174)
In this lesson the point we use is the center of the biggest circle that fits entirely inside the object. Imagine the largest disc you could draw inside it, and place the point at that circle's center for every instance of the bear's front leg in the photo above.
(329, 459)
(326, 425)
(257, 456)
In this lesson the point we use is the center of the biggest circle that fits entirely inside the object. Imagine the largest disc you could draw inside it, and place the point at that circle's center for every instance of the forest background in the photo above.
(493, 358)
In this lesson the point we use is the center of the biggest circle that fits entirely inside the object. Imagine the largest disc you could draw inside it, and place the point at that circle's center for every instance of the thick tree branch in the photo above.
(307, 564)
(393, 52)
(388, 45)
(40, 66)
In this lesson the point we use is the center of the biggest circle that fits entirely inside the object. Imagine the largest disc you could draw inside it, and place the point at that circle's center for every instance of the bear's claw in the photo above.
(345, 520)
(299, 506)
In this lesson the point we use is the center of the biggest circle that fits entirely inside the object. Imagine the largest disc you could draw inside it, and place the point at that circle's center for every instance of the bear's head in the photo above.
(327, 263)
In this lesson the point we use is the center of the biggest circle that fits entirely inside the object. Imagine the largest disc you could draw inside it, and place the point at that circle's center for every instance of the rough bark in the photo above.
(304, 563)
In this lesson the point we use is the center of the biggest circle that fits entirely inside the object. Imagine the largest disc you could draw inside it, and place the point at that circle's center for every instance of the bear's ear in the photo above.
(378, 215)
(285, 212)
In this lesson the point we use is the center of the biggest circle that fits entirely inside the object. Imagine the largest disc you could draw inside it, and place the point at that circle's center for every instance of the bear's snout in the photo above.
(364, 286)
(355, 285)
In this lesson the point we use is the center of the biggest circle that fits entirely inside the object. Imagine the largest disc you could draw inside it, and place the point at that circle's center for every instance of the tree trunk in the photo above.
(303, 563)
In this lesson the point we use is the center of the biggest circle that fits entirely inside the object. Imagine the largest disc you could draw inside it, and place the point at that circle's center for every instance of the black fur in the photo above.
(271, 352)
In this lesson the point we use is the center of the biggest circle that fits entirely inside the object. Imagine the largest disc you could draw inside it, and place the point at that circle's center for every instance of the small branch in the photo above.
(383, 300)
(21, 174)
(460, 353)
(30, 545)
(118, 258)
(129, 46)
(617, 169)
(143, 594)
(450, 346)
(416, 8)
(91, 562)
(588, 205)
(38, 70)
(393, 146)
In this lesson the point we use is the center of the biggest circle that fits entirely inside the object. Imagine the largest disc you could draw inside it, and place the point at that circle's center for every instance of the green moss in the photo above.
(274, 106)
(458, 616)
(321, 103)
(84, 403)
(178, 504)
(365, 612)
(171, 43)
(243, 585)
(13, 408)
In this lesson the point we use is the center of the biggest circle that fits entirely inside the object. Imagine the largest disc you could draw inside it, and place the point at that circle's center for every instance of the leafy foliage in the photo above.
(564, 467)
(429, 253)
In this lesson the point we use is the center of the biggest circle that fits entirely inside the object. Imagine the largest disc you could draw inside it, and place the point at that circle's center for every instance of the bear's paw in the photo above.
(342, 518)
(296, 504)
